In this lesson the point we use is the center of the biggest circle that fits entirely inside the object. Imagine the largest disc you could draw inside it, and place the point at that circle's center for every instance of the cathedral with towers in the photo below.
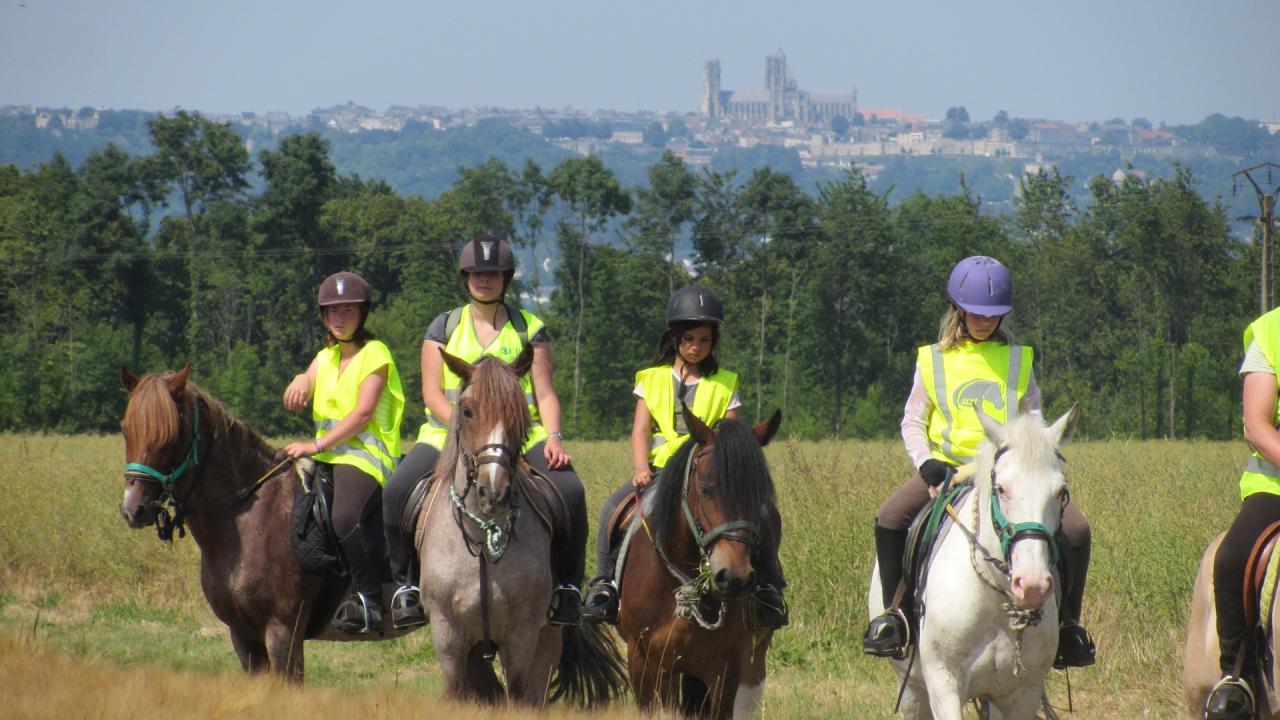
(781, 100)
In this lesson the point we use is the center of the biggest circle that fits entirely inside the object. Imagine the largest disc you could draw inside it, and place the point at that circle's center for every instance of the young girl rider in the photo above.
(686, 368)
(1232, 698)
(941, 432)
(486, 325)
(357, 401)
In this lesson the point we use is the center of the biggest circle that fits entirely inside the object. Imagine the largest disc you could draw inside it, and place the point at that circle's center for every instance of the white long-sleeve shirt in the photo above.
(915, 416)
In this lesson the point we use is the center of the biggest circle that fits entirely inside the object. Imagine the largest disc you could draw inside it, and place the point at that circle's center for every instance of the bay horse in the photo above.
(484, 539)
(1201, 669)
(685, 582)
(235, 493)
(989, 609)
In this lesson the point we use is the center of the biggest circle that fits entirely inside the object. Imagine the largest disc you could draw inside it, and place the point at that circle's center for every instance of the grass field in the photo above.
(100, 621)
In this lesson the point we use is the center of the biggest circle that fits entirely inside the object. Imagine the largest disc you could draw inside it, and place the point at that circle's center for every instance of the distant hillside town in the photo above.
(826, 130)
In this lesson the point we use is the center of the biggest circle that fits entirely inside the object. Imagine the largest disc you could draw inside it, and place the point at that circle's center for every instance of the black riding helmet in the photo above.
(487, 253)
(695, 303)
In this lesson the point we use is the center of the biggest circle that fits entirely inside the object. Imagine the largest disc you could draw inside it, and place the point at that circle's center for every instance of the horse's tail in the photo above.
(590, 673)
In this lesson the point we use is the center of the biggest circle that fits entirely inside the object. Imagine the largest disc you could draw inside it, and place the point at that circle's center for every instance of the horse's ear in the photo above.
(1025, 407)
(765, 431)
(127, 379)
(1064, 427)
(697, 428)
(995, 431)
(523, 362)
(178, 380)
(460, 367)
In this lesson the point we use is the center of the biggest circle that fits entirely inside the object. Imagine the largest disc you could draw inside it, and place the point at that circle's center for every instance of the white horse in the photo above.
(989, 623)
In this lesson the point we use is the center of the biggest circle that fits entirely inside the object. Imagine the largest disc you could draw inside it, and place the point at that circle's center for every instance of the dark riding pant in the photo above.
(568, 545)
(901, 508)
(357, 500)
(1256, 512)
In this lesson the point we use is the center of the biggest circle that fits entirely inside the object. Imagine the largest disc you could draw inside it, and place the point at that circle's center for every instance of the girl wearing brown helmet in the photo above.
(357, 401)
(487, 325)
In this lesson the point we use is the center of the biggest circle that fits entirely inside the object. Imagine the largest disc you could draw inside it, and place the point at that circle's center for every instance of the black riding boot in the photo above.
(1230, 699)
(362, 611)
(406, 603)
(771, 611)
(1075, 647)
(888, 634)
(602, 600)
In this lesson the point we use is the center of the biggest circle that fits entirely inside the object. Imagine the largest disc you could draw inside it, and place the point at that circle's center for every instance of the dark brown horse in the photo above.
(686, 608)
(235, 493)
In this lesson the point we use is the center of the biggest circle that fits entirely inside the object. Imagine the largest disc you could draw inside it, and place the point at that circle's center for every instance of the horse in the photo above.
(233, 491)
(485, 550)
(685, 610)
(989, 609)
(1200, 661)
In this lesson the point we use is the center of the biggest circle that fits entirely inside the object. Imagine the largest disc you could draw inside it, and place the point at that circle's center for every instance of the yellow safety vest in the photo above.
(1259, 474)
(991, 373)
(376, 447)
(506, 346)
(710, 403)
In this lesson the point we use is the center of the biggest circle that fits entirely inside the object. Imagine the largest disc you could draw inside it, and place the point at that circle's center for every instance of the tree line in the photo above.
(199, 251)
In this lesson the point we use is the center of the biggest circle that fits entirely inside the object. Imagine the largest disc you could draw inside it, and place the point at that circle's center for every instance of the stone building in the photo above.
(782, 99)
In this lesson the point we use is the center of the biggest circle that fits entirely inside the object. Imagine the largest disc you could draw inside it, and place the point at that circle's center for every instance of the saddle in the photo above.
(314, 541)
(1260, 576)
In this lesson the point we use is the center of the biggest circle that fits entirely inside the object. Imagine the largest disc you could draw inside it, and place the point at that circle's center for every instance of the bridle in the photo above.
(497, 536)
(1010, 533)
(743, 531)
(166, 525)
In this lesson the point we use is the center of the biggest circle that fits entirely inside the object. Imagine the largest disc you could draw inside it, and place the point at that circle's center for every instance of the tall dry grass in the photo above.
(76, 581)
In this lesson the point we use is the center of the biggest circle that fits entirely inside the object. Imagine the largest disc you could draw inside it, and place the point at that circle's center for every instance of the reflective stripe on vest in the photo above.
(1260, 475)
(991, 374)
(710, 403)
(507, 346)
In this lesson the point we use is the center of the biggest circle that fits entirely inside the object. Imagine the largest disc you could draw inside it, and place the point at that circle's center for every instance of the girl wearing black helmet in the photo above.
(357, 401)
(685, 370)
(974, 361)
(487, 325)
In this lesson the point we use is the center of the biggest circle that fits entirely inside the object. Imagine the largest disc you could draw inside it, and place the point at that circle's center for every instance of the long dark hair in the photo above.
(669, 345)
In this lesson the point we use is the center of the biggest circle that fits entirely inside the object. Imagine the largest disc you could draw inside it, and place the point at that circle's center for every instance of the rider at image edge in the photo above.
(1232, 697)
(487, 325)
(357, 402)
(974, 361)
(686, 372)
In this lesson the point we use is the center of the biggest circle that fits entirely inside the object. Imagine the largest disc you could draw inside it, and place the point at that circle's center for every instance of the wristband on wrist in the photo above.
(556, 434)
(319, 447)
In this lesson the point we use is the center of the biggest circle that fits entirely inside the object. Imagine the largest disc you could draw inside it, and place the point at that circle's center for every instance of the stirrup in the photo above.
(1245, 713)
(767, 615)
(357, 616)
(895, 646)
(566, 606)
(406, 608)
(601, 602)
(1079, 651)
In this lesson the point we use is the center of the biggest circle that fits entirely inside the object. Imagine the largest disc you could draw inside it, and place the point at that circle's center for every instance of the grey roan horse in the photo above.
(486, 559)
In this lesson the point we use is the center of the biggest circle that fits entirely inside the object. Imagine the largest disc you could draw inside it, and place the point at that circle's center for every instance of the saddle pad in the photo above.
(543, 497)
(1260, 576)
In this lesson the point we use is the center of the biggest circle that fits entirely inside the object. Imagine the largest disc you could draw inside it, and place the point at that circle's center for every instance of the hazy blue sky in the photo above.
(1176, 60)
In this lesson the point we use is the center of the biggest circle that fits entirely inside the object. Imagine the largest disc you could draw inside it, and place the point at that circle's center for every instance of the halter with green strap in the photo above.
(1010, 533)
(165, 526)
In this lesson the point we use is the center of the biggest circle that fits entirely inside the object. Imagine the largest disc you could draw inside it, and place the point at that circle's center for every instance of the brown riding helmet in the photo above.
(487, 253)
(343, 287)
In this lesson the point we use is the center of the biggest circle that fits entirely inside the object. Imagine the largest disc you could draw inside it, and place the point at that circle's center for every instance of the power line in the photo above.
(1266, 217)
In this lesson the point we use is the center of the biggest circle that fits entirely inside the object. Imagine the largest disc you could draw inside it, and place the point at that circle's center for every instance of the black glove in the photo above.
(935, 472)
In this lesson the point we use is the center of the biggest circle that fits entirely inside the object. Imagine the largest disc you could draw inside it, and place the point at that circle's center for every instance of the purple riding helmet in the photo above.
(982, 286)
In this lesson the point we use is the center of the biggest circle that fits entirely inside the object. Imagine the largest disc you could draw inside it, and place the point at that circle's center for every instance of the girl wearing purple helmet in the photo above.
(974, 363)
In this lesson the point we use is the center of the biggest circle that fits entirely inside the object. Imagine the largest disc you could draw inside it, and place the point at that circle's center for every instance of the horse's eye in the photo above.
(468, 413)
(706, 491)
(1001, 492)
(1064, 495)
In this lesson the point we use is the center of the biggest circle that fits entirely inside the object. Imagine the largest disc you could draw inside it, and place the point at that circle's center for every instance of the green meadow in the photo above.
(82, 592)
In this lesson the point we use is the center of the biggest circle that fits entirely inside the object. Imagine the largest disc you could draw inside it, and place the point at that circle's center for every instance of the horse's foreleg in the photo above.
(284, 648)
(250, 649)
(945, 701)
(451, 653)
(653, 686)
(527, 660)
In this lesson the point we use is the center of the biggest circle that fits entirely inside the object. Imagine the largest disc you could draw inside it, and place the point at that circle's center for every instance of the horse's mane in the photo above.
(743, 484)
(497, 393)
(151, 419)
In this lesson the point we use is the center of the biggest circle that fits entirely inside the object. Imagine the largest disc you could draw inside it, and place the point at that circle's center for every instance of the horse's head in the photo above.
(160, 442)
(489, 425)
(1027, 493)
(727, 497)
